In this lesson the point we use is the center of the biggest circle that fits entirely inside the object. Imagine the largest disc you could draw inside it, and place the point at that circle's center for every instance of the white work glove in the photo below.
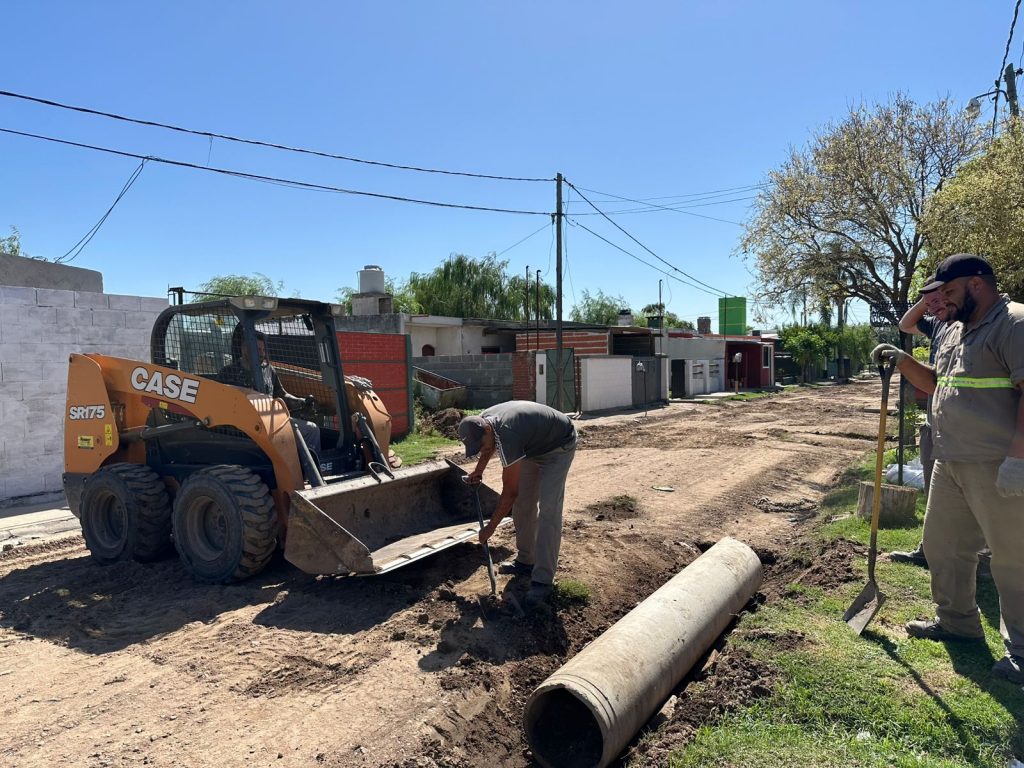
(887, 353)
(1010, 480)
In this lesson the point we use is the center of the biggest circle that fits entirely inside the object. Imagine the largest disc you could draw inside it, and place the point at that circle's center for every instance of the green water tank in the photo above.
(732, 316)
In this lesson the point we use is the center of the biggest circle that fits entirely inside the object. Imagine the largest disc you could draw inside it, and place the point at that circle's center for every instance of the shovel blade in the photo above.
(864, 608)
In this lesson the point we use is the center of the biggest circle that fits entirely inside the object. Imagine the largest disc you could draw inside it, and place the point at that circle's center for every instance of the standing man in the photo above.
(927, 317)
(536, 445)
(977, 488)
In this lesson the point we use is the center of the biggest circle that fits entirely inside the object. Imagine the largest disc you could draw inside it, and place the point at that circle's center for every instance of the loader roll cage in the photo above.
(214, 339)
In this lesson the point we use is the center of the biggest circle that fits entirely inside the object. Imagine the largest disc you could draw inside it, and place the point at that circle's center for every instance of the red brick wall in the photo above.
(524, 376)
(584, 342)
(383, 359)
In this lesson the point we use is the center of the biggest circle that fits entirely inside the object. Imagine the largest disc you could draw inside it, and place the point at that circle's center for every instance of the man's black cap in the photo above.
(958, 265)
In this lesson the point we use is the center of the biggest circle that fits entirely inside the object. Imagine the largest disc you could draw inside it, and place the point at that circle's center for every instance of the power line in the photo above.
(692, 196)
(1006, 53)
(88, 236)
(272, 179)
(667, 208)
(520, 242)
(676, 208)
(637, 258)
(255, 142)
(663, 261)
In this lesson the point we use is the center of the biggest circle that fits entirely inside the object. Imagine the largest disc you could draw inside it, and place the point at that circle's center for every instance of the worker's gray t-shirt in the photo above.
(525, 430)
(978, 370)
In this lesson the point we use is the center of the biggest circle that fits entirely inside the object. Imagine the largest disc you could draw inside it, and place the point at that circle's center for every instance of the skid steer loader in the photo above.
(195, 449)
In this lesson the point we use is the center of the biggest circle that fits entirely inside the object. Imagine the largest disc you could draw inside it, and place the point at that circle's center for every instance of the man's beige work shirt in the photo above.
(977, 369)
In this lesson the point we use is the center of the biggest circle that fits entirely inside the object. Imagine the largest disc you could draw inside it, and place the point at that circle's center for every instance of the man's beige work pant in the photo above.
(964, 513)
(537, 512)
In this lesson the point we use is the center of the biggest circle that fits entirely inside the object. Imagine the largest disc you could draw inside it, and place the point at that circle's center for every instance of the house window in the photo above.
(428, 350)
(766, 357)
(490, 350)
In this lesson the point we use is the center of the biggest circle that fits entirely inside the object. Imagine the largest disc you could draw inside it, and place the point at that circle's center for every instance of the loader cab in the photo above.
(218, 339)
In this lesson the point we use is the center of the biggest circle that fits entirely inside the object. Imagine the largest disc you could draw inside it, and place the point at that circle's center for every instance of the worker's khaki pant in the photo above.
(964, 513)
(537, 512)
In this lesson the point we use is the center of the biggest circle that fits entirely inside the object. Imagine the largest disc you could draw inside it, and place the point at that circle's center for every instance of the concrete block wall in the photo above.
(488, 378)
(39, 328)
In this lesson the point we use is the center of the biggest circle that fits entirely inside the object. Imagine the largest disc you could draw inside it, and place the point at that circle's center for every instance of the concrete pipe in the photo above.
(587, 712)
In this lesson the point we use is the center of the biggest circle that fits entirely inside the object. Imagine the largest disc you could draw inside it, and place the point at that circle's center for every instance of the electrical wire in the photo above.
(1002, 67)
(272, 179)
(637, 258)
(255, 142)
(520, 242)
(667, 208)
(676, 208)
(659, 258)
(78, 247)
(708, 194)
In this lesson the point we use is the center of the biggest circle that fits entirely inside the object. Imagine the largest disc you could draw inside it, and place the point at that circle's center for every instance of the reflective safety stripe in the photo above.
(967, 382)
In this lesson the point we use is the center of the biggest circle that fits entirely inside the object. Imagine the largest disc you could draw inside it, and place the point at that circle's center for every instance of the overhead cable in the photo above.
(663, 207)
(272, 179)
(637, 258)
(78, 247)
(255, 142)
(659, 258)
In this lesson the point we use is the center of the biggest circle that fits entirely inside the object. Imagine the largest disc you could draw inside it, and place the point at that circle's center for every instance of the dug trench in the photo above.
(136, 665)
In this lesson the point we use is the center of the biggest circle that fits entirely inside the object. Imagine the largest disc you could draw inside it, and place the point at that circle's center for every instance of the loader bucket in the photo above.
(365, 526)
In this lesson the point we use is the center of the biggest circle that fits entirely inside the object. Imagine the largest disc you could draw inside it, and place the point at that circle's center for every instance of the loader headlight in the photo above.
(254, 302)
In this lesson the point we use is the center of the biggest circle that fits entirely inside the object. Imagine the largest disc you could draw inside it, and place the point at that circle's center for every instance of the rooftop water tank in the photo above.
(371, 279)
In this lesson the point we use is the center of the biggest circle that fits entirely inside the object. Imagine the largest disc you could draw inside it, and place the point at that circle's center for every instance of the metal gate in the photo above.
(564, 380)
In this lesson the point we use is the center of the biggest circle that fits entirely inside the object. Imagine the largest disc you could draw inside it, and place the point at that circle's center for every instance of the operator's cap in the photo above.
(958, 265)
(471, 432)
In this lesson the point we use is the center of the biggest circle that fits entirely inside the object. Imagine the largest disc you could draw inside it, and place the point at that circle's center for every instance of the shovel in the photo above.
(509, 598)
(870, 599)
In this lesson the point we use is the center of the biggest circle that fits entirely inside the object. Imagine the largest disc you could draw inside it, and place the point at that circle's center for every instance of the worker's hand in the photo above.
(486, 532)
(474, 478)
(309, 401)
(888, 353)
(1010, 480)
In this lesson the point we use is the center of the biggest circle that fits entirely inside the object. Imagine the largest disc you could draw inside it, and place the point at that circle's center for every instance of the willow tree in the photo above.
(466, 287)
(842, 217)
(981, 211)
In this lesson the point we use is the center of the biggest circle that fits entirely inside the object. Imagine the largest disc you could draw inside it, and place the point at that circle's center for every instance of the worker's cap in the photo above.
(930, 286)
(471, 432)
(958, 265)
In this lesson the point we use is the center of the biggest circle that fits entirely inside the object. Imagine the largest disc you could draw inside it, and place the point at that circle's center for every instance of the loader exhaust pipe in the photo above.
(587, 711)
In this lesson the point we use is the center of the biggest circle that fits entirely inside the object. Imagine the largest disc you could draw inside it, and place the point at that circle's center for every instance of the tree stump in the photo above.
(899, 505)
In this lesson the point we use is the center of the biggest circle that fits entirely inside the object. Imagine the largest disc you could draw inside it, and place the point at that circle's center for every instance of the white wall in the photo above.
(39, 328)
(605, 382)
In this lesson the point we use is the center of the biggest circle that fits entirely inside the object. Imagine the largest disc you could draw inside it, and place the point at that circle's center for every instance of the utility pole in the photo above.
(538, 311)
(1010, 80)
(558, 291)
(527, 288)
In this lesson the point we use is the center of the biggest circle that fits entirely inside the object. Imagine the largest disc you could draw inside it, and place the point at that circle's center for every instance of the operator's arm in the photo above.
(292, 401)
(509, 493)
(918, 374)
(908, 323)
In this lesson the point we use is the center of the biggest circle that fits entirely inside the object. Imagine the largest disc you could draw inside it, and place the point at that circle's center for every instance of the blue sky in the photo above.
(639, 100)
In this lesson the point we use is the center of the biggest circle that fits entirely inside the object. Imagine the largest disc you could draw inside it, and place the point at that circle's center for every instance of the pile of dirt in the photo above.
(732, 681)
(444, 422)
(616, 508)
(831, 567)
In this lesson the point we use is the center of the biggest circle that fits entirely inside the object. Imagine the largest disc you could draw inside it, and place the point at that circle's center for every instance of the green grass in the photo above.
(415, 448)
(570, 592)
(878, 699)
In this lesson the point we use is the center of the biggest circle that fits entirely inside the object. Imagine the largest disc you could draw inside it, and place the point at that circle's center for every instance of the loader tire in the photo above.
(225, 525)
(126, 514)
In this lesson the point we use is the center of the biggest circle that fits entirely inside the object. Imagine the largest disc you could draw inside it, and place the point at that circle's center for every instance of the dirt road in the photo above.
(135, 665)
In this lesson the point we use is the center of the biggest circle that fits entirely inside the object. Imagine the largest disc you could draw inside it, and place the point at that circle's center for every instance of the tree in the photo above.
(466, 287)
(981, 211)
(256, 284)
(669, 319)
(842, 218)
(807, 344)
(11, 244)
(597, 308)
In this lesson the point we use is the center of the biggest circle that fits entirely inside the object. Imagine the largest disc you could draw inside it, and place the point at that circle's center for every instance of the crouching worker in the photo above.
(536, 445)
